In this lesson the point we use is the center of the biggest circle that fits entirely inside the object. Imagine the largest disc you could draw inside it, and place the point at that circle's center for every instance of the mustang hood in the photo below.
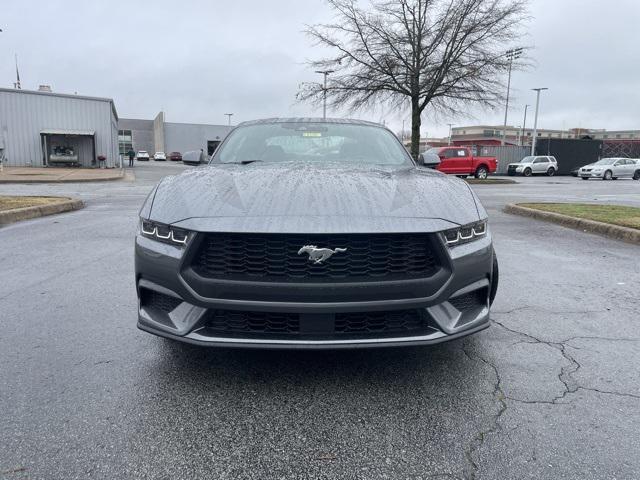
(299, 197)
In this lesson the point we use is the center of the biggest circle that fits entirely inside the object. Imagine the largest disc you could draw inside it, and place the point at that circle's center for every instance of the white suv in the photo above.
(534, 164)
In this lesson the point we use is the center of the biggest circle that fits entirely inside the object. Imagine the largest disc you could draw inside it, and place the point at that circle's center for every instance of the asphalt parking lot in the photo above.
(551, 391)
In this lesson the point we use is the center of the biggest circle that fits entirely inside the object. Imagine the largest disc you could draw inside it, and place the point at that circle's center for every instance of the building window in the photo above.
(125, 141)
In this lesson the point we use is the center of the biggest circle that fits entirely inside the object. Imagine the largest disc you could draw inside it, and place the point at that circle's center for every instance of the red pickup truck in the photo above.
(459, 161)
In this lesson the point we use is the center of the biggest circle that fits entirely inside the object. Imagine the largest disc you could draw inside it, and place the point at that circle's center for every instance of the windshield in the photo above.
(312, 142)
(527, 160)
(605, 161)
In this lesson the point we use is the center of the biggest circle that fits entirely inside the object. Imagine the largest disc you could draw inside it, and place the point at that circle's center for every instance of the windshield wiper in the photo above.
(246, 162)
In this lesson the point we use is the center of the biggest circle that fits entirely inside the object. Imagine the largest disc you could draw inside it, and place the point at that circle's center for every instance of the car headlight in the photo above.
(465, 234)
(164, 233)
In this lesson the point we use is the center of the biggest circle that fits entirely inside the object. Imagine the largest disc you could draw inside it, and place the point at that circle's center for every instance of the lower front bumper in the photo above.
(169, 308)
(430, 339)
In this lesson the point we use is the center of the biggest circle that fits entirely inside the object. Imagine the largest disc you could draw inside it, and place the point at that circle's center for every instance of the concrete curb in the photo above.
(63, 179)
(625, 234)
(491, 181)
(64, 205)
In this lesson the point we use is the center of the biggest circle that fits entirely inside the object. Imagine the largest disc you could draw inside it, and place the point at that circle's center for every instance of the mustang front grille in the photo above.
(276, 257)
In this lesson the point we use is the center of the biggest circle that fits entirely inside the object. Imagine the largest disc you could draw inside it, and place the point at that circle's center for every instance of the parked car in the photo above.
(459, 161)
(175, 156)
(575, 171)
(194, 157)
(612, 169)
(142, 156)
(288, 240)
(159, 156)
(533, 165)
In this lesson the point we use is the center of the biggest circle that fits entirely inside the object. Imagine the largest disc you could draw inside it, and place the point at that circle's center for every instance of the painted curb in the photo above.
(65, 205)
(625, 234)
(110, 178)
(491, 181)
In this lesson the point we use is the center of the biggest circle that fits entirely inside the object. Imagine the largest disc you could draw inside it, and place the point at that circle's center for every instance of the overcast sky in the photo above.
(197, 60)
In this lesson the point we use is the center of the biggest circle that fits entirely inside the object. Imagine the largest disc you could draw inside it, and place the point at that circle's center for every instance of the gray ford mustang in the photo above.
(308, 233)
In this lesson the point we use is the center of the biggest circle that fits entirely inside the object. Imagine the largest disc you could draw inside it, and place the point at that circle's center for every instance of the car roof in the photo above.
(348, 121)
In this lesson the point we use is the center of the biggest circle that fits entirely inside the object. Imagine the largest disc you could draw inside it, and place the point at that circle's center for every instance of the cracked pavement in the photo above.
(551, 391)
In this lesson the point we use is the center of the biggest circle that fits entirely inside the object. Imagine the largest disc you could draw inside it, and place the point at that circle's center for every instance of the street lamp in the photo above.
(535, 121)
(450, 125)
(524, 124)
(511, 55)
(324, 91)
(229, 115)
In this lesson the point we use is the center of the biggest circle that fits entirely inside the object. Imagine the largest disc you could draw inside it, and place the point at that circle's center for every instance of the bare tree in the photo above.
(444, 53)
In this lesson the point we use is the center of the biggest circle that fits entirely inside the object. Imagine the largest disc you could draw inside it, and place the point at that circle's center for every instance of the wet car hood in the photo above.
(302, 197)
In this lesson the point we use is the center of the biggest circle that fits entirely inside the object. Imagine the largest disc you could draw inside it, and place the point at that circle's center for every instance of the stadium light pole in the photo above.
(450, 125)
(229, 115)
(511, 55)
(324, 91)
(524, 125)
(535, 121)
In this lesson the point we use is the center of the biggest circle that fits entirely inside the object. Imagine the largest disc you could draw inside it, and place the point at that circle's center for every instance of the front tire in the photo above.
(585, 178)
(551, 172)
(636, 176)
(482, 173)
(608, 175)
(527, 172)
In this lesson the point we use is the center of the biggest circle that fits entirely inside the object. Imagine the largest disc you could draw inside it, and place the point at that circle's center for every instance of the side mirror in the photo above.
(429, 160)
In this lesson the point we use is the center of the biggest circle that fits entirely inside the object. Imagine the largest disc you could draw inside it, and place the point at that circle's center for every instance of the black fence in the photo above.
(570, 153)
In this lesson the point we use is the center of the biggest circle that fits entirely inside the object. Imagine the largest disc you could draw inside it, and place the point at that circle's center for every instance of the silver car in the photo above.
(535, 164)
(611, 169)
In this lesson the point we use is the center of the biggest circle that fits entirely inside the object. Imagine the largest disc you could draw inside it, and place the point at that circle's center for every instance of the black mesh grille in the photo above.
(379, 322)
(230, 321)
(270, 324)
(160, 301)
(470, 300)
(373, 257)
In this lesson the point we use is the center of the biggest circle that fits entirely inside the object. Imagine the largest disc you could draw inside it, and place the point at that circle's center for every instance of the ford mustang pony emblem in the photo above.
(319, 255)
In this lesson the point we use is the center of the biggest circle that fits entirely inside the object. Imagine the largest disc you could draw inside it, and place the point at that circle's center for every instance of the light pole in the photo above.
(324, 91)
(229, 115)
(535, 121)
(450, 125)
(511, 55)
(524, 124)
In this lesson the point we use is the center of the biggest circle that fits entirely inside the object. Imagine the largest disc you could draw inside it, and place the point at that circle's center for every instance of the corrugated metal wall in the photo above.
(505, 155)
(24, 114)
(141, 133)
(182, 137)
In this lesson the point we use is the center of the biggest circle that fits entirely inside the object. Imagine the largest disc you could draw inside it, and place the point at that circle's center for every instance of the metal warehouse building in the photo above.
(159, 136)
(40, 128)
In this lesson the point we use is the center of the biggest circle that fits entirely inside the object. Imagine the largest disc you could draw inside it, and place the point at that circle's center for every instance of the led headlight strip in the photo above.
(466, 233)
(164, 233)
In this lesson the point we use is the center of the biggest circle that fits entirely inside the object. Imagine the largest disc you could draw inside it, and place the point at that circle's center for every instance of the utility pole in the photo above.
(535, 121)
(324, 91)
(524, 124)
(450, 125)
(511, 55)
(229, 115)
